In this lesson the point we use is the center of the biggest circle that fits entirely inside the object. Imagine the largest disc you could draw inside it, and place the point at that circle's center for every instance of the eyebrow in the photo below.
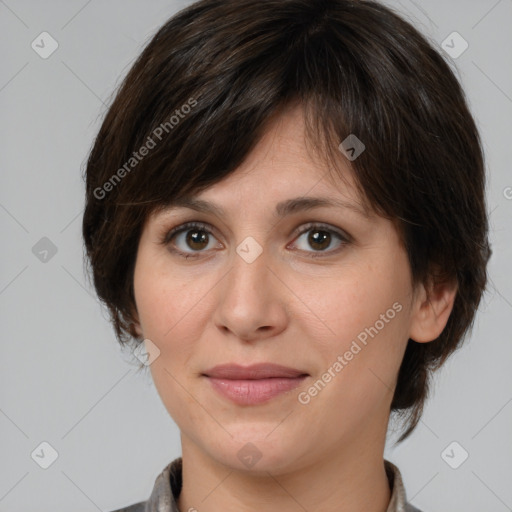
(284, 208)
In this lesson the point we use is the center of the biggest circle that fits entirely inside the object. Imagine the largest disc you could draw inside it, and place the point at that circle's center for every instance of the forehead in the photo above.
(284, 173)
(285, 159)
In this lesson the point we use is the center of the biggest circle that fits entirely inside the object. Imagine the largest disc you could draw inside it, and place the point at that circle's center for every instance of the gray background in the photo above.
(63, 378)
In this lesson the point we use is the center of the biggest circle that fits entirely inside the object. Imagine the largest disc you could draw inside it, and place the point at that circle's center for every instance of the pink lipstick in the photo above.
(255, 384)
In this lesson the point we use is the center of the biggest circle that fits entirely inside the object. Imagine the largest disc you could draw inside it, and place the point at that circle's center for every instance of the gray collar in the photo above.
(168, 484)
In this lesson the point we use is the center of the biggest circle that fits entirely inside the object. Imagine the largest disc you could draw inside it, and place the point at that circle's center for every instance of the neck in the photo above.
(350, 479)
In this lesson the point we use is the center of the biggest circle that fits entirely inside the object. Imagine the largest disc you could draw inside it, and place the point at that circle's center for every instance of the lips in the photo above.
(253, 372)
(255, 384)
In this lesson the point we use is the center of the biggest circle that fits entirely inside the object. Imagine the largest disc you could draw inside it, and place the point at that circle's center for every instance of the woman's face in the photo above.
(324, 290)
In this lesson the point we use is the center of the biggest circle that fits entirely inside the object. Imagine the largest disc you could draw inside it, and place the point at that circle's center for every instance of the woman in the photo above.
(286, 218)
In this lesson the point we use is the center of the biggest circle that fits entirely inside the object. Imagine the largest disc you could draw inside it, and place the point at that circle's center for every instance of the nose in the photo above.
(251, 300)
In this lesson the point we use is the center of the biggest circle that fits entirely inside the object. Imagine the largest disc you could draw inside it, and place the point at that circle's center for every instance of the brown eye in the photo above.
(320, 238)
(188, 239)
(196, 239)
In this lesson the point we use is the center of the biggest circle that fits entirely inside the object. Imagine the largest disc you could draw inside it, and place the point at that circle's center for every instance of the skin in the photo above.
(288, 308)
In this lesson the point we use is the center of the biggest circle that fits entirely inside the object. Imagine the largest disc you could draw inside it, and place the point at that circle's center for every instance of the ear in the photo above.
(432, 307)
(135, 328)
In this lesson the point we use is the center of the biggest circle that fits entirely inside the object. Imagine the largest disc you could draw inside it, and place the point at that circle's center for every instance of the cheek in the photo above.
(171, 315)
(167, 301)
(360, 314)
(172, 308)
(338, 307)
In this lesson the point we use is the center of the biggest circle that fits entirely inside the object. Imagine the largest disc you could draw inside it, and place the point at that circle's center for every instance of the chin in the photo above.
(256, 455)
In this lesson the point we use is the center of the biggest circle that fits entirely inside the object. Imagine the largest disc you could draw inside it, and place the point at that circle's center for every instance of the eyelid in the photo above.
(169, 234)
(344, 237)
(303, 228)
(298, 231)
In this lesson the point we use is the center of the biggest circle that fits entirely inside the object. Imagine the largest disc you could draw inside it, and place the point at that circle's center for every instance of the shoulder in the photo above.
(166, 489)
(136, 507)
(399, 502)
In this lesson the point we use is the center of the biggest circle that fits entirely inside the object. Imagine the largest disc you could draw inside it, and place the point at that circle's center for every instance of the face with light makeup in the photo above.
(325, 274)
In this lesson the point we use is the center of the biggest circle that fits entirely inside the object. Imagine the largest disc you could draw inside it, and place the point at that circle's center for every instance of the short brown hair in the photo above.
(215, 73)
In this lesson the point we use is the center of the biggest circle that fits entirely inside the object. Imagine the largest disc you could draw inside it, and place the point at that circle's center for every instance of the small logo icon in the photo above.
(352, 147)
(44, 250)
(146, 352)
(249, 455)
(44, 455)
(454, 45)
(44, 45)
(249, 249)
(454, 455)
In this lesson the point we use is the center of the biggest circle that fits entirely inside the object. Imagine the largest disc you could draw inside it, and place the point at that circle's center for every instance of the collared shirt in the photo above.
(167, 489)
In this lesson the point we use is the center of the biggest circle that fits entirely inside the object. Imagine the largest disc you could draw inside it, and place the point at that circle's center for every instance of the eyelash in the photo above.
(200, 226)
